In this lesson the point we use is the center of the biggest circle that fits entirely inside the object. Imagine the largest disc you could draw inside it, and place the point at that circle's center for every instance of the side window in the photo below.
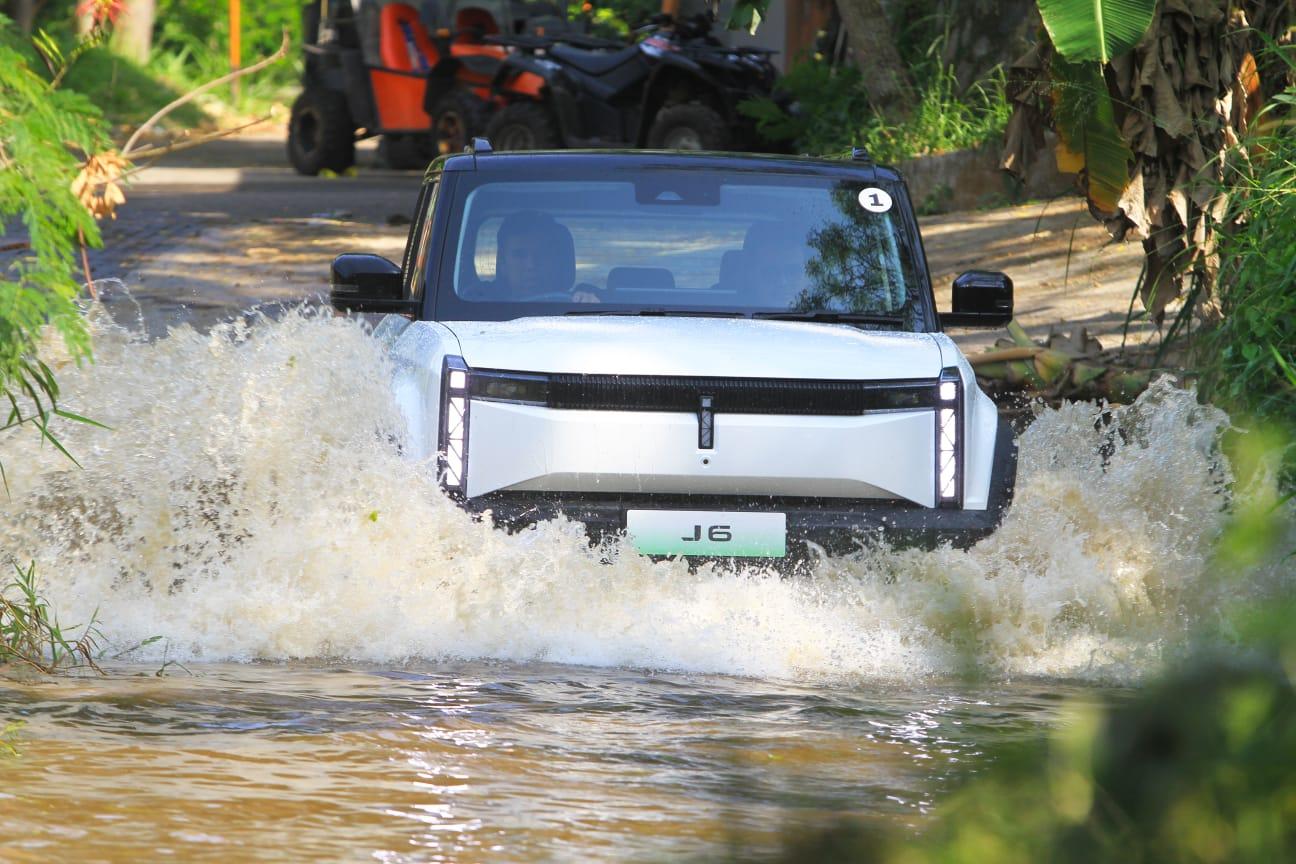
(419, 246)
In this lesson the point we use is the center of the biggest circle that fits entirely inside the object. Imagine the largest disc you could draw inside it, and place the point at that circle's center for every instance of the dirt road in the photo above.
(229, 225)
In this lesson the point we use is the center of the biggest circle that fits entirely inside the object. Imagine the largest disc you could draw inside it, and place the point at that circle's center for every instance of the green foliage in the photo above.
(1248, 359)
(128, 93)
(613, 20)
(1095, 29)
(191, 47)
(199, 30)
(1086, 124)
(1194, 768)
(834, 113)
(30, 633)
(747, 15)
(41, 128)
(831, 106)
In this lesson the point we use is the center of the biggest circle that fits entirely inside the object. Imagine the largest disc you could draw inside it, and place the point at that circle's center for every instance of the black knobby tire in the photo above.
(320, 132)
(456, 118)
(523, 126)
(688, 126)
(405, 152)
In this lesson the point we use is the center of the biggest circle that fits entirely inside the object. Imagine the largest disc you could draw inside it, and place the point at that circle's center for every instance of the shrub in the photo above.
(833, 113)
(1247, 359)
(41, 129)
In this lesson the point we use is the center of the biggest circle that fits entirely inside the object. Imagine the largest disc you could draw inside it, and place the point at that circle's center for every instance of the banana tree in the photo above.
(1146, 99)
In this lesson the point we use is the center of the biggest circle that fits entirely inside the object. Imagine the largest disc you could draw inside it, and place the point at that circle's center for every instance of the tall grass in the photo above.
(30, 632)
(1247, 357)
(832, 112)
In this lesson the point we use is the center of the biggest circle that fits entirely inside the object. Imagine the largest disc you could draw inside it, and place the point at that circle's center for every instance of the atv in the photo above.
(678, 88)
(420, 79)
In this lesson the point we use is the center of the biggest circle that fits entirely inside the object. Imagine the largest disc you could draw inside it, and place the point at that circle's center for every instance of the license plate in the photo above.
(707, 532)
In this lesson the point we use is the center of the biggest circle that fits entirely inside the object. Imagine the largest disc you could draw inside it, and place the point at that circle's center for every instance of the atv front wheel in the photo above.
(456, 118)
(523, 126)
(690, 126)
(320, 132)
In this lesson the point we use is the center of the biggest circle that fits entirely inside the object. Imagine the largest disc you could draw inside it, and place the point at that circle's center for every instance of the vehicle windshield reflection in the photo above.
(635, 241)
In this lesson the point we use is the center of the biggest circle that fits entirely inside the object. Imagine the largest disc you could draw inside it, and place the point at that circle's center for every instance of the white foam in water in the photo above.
(249, 502)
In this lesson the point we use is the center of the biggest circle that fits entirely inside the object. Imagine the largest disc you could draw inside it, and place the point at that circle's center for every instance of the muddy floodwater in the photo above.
(477, 761)
(352, 668)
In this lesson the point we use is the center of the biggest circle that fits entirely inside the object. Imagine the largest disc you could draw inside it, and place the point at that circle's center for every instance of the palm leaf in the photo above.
(1095, 29)
(1087, 133)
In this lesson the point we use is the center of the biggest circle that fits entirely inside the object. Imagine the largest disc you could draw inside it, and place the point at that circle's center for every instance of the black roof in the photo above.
(541, 159)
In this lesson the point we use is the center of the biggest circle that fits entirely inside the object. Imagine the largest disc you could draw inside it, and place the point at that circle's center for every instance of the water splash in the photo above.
(249, 502)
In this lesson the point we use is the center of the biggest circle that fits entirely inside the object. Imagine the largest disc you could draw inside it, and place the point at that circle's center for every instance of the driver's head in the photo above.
(534, 255)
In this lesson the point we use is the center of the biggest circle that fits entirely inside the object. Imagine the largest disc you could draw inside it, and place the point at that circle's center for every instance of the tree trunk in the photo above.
(133, 37)
(873, 45)
(24, 14)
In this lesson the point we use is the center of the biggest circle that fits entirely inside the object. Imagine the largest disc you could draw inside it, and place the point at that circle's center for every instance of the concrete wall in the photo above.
(972, 179)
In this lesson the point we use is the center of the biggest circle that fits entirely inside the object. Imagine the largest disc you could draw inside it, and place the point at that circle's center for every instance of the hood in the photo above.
(720, 347)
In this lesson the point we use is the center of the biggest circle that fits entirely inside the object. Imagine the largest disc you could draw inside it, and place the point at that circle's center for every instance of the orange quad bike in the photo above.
(421, 78)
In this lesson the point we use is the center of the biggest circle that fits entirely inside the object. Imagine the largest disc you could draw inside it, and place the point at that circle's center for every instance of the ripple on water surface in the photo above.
(477, 760)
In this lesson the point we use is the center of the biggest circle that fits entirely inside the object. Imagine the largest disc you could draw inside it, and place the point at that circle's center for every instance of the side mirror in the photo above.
(982, 298)
(368, 283)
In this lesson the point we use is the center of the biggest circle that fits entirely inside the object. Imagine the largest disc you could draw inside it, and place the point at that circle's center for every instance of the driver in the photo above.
(535, 256)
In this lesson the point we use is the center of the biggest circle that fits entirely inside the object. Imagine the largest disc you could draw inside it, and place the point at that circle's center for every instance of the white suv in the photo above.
(718, 355)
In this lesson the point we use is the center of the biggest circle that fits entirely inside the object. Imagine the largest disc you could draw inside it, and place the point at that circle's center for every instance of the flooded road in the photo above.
(368, 673)
(478, 761)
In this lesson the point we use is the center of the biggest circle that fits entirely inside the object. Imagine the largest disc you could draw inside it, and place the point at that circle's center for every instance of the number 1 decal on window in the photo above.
(875, 200)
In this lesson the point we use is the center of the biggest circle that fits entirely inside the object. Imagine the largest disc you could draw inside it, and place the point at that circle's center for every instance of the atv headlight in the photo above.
(453, 440)
(949, 440)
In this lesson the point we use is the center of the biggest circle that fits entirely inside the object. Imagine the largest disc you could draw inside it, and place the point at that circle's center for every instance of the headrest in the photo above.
(640, 279)
(476, 18)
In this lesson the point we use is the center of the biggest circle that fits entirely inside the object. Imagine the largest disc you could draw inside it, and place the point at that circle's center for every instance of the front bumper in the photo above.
(837, 525)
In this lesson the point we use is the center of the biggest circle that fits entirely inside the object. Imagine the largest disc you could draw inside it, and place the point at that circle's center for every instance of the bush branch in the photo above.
(192, 94)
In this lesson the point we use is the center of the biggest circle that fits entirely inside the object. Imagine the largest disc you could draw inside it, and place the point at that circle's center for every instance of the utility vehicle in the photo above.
(718, 354)
(422, 78)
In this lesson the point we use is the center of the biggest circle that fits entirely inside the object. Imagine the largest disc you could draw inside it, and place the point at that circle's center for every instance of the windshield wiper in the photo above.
(679, 313)
(832, 317)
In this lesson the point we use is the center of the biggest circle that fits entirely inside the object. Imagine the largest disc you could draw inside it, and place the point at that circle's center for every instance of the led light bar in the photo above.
(949, 439)
(453, 439)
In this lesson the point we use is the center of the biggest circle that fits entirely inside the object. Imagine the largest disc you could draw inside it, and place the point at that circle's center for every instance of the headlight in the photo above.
(949, 440)
(459, 387)
(453, 440)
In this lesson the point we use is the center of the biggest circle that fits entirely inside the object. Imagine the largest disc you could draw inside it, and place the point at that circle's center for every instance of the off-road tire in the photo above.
(523, 126)
(688, 126)
(321, 133)
(405, 152)
(456, 118)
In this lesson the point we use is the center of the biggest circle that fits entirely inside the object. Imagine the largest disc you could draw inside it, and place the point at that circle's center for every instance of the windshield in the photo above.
(677, 241)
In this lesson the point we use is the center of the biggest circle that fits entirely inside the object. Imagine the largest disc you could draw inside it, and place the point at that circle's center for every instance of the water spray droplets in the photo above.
(229, 510)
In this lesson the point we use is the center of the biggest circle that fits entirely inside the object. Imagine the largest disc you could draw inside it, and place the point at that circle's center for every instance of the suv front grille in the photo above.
(736, 395)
